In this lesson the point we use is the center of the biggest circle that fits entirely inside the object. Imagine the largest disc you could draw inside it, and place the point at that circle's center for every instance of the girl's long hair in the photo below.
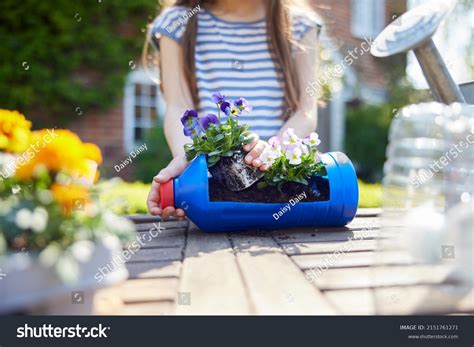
(280, 44)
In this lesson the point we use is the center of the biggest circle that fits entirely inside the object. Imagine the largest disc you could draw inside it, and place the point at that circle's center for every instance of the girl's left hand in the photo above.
(255, 148)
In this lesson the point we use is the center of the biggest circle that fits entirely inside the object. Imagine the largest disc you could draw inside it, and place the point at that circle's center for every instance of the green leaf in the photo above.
(214, 153)
(301, 180)
(219, 137)
(212, 160)
(276, 178)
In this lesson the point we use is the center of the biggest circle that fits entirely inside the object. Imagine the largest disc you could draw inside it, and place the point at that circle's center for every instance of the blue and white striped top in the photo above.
(233, 58)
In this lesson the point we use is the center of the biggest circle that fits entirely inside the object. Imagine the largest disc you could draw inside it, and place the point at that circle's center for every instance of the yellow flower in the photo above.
(14, 131)
(92, 152)
(72, 198)
(58, 151)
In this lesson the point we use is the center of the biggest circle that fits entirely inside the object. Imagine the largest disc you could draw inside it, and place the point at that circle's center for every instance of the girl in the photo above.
(262, 50)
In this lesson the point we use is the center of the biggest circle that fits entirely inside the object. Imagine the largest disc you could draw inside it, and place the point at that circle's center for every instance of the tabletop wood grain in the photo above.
(323, 271)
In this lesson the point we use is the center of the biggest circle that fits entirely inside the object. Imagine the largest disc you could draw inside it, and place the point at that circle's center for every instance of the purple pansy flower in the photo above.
(189, 121)
(206, 121)
(242, 104)
(225, 107)
(218, 98)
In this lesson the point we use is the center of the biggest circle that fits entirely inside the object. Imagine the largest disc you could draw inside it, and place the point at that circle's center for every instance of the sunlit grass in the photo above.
(370, 195)
(124, 197)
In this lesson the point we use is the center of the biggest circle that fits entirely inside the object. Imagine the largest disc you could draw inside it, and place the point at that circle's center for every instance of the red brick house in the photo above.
(348, 23)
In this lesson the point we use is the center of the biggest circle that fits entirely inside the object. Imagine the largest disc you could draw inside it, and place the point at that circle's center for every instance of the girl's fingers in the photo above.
(263, 167)
(252, 144)
(168, 211)
(255, 152)
(180, 214)
(174, 168)
(256, 163)
(153, 200)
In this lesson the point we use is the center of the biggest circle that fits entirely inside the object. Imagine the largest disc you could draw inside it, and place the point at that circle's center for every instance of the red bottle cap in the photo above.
(167, 194)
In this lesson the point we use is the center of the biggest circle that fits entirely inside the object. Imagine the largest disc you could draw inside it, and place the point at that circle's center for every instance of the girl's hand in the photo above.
(255, 148)
(174, 168)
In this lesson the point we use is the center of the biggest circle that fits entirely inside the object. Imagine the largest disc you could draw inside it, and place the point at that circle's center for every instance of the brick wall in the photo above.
(105, 130)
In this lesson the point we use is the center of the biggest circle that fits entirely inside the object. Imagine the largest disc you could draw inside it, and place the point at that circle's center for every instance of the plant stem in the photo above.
(218, 112)
(200, 126)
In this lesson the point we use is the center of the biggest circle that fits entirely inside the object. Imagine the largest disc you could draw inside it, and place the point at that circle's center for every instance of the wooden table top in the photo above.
(299, 271)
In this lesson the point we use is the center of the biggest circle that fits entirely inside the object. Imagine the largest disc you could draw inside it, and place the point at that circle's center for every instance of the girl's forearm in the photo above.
(304, 122)
(173, 130)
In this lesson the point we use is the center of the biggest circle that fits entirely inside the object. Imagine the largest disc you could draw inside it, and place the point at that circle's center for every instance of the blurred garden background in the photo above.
(77, 65)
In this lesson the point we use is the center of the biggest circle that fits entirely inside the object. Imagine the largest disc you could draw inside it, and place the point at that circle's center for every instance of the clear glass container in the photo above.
(424, 250)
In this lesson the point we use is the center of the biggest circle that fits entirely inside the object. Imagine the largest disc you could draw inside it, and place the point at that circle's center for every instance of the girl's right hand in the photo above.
(174, 169)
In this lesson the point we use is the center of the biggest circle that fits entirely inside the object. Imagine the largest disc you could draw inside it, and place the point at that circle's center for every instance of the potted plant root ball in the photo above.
(220, 137)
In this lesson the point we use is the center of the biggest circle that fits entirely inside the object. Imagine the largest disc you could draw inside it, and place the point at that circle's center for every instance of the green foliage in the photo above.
(123, 197)
(366, 140)
(61, 57)
(367, 125)
(158, 155)
(218, 140)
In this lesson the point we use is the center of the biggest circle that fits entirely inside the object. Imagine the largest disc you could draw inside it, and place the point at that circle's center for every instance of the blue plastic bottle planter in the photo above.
(190, 191)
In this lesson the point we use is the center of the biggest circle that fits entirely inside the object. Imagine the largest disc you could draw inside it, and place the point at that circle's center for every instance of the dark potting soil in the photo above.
(317, 190)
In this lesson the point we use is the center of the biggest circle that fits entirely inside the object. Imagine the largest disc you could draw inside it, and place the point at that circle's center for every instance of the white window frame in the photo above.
(367, 18)
(147, 102)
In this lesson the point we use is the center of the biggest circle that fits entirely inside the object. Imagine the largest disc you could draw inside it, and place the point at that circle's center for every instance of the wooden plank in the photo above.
(108, 301)
(210, 279)
(156, 254)
(424, 299)
(147, 218)
(156, 269)
(165, 241)
(148, 308)
(275, 284)
(163, 228)
(144, 218)
(354, 259)
(366, 222)
(289, 236)
(149, 289)
(368, 212)
(145, 240)
(379, 276)
(328, 247)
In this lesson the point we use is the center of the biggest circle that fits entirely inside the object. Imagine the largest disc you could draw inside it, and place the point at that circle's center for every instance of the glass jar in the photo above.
(425, 244)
